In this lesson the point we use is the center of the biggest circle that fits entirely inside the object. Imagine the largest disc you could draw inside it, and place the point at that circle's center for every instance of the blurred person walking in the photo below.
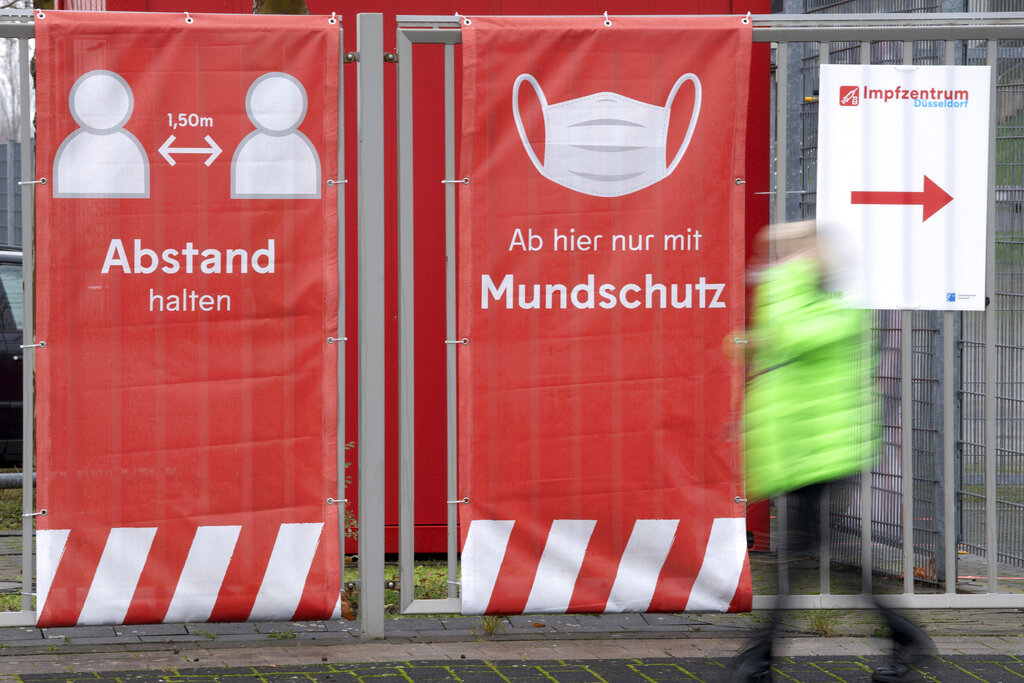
(810, 413)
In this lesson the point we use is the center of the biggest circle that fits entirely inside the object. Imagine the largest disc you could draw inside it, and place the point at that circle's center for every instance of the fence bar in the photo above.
(781, 28)
(991, 387)
(948, 428)
(866, 508)
(781, 74)
(28, 363)
(825, 504)
(342, 504)
(450, 319)
(898, 601)
(406, 329)
(370, 89)
(907, 411)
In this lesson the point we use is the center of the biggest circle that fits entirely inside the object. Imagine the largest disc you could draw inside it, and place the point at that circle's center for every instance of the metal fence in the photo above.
(10, 193)
(967, 477)
(958, 474)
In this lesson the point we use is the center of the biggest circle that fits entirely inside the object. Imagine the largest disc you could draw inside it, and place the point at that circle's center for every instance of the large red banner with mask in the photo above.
(187, 287)
(601, 257)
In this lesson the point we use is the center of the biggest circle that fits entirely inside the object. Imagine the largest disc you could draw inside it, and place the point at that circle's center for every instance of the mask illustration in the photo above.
(605, 145)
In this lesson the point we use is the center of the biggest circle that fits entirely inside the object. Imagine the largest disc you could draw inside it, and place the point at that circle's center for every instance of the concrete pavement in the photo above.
(972, 646)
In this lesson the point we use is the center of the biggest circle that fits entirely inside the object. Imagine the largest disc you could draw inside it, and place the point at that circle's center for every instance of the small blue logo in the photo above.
(951, 296)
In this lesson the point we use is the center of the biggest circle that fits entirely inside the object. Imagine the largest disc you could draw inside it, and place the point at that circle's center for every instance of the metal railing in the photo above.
(965, 390)
(920, 379)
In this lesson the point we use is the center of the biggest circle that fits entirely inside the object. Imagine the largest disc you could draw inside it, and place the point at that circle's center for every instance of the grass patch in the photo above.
(10, 504)
(11, 602)
(430, 582)
(823, 622)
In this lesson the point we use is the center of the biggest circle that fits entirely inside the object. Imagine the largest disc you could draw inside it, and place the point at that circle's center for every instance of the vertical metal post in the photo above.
(825, 503)
(867, 510)
(450, 314)
(342, 344)
(28, 368)
(370, 89)
(948, 432)
(781, 96)
(907, 418)
(10, 190)
(991, 387)
(406, 328)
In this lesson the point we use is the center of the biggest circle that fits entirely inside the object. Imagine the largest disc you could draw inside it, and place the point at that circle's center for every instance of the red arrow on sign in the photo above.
(931, 199)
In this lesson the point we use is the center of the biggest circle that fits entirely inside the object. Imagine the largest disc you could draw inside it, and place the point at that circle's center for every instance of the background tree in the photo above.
(279, 7)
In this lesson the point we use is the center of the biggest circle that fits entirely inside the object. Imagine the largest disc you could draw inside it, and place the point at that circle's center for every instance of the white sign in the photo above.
(902, 183)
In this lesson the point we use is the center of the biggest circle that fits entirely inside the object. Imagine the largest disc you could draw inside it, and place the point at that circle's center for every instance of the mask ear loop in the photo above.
(693, 116)
(519, 122)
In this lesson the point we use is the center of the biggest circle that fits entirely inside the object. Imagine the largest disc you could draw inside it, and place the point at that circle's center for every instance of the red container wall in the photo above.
(430, 444)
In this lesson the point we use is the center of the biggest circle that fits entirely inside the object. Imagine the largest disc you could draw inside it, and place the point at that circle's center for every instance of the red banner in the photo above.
(186, 288)
(601, 261)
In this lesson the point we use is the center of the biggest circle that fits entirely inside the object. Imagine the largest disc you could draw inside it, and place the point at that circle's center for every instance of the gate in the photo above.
(953, 467)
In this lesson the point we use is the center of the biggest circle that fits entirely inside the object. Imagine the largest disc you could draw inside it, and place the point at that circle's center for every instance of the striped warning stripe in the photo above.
(638, 570)
(292, 580)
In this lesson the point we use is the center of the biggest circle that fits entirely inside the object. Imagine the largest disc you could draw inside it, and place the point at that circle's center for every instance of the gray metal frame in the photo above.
(19, 24)
(370, 87)
(406, 37)
(444, 30)
(780, 30)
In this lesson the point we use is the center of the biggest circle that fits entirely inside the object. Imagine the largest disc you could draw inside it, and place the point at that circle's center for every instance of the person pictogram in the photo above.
(275, 161)
(101, 158)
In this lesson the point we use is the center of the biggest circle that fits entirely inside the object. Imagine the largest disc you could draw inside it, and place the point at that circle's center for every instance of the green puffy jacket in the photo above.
(810, 402)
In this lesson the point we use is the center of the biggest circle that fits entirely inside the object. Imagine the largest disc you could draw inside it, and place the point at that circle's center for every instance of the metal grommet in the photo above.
(40, 15)
(188, 19)
(333, 19)
(607, 21)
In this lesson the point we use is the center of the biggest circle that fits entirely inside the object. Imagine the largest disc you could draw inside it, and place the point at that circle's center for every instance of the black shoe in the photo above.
(753, 665)
(893, 673)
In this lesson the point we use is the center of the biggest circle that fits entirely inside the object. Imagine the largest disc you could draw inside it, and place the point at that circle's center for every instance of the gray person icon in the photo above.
(101, 158)
(275, 161)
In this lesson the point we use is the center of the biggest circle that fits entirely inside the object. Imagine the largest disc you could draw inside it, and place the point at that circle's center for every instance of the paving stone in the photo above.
(428, 673)
(79, 631)
(413, 624)
(150, 630)
(670, 620)
(19, 633)
(293, 626)
(220, 628)
(460, 623)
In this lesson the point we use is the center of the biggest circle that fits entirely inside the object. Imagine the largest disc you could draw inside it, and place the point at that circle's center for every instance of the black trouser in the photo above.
(800, 540)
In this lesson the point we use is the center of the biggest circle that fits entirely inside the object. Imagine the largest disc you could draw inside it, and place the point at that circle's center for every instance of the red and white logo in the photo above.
(849, 95)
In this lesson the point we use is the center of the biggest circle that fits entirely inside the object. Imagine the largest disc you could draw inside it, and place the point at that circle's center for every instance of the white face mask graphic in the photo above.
(605, 144)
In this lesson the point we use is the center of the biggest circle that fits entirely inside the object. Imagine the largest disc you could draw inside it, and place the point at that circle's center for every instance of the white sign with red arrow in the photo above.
(902, 183)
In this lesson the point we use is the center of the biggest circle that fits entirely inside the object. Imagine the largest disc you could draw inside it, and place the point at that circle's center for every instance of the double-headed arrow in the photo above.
(166, 150)
(931, 198)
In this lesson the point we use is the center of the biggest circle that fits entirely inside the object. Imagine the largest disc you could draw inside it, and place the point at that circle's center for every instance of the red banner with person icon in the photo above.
(186, 289)
(600, 269)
